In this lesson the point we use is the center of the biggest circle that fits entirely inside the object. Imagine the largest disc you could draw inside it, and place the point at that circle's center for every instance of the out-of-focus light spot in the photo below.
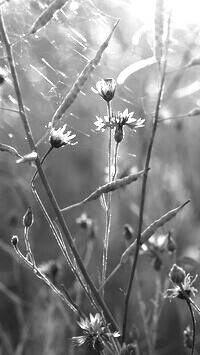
(188, 90)
(12, 99)
(74, 5)
(10, 135)
(94, 90)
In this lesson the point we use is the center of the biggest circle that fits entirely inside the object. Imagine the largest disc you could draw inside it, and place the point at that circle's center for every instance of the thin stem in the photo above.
(108, 208)
(115, 161)
(188, 301)
(41, 162)
(143, 192)
(44, 180)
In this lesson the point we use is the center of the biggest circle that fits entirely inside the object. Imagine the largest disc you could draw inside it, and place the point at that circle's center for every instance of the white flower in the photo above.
(106, 88)
(58, 138)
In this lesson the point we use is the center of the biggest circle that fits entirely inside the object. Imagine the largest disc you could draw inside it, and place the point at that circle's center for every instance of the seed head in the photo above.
(106, 88)
(14, 240)
(177, 274)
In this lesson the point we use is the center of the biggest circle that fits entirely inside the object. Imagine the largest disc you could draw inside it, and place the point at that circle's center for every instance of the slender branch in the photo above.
(143, 192)
(44, 180)
(108, 209)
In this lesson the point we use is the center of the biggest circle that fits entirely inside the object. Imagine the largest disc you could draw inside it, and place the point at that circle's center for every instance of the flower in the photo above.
(58, 138)
(95, 332)
(183, 284)
(117, 121)
(106, 88)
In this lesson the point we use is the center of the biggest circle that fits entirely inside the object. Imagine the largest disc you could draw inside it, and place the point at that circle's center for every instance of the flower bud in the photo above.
(14, 240)
(28, 218)
(177, 274)
(119, 134)
(106, 88)
(128, 232)
(171, 244)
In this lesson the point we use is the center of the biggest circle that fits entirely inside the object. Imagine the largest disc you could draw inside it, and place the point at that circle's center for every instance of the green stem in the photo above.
(143, 192)
(115, 161)
(44, 180)
(187, 299)
(108, 208)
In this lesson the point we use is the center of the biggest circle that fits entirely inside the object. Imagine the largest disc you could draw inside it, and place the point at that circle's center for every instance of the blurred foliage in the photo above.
(48, 64)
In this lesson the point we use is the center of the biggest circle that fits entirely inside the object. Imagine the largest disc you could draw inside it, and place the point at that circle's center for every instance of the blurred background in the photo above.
(32, 319)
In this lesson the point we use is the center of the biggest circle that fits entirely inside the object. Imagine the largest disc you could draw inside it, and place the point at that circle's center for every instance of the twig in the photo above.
(188, 301)
(143, 192)
(44, 180)
(115, 161)
(108, 207)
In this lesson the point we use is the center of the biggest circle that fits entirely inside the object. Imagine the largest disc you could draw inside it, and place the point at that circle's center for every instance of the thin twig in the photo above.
(143, 192)
(108, 208)
(44, 180)
(188, 301)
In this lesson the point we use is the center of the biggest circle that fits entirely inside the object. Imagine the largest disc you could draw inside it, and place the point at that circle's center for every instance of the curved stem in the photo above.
(41, 162)
(143, 192)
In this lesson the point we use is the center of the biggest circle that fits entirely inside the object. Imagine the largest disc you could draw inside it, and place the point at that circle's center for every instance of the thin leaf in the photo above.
(47, 15)
(149, 231)
(83, 76)
(9, 149)
(111, 186)
(133, 68)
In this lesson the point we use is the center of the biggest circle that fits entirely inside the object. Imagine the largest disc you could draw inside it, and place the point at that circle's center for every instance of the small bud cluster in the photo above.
(28, 218)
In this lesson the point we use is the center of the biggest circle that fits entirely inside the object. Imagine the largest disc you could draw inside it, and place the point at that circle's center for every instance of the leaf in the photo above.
(9, 149)
(47, 15)
(133, 68)
(83, 76)
(149, 231)
(111, 186)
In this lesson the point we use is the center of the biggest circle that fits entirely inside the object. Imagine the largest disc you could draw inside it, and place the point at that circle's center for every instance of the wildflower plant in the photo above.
(101, 329)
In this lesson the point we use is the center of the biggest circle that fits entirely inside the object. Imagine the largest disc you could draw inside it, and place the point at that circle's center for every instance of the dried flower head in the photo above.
(183, 283)
(95, 332)
(106, 88)
(58, 138)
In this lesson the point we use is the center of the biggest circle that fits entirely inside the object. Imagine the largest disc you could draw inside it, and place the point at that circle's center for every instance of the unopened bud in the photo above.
(14, 240)
(128, 232)
(106, 88)
(119, 134)
(171, 244)
(177, 274)
(28, 218)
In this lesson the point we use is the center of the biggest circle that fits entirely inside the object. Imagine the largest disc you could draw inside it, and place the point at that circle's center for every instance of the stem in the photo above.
(108, 209)
(115, 161)
(44, 180)
(188, 301)
(143, 192)
(41, 162)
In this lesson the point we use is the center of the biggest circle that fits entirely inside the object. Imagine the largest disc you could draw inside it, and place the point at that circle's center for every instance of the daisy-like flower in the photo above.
(182, 282)
(58, 138)
(106, 88)
(95, 332)
(118, 121)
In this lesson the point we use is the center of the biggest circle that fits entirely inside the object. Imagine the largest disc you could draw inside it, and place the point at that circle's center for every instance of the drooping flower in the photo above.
(106, 88)
(95, 332)
(183, 283)
(58, 138)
